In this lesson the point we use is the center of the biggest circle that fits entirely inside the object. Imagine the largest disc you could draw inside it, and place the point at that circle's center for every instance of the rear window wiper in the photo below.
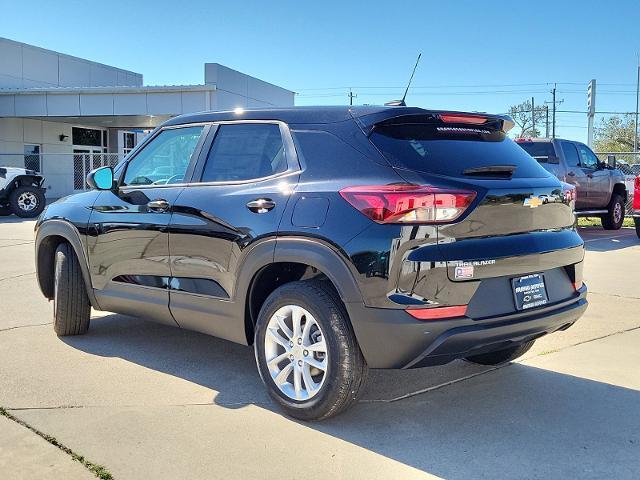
(491, 171)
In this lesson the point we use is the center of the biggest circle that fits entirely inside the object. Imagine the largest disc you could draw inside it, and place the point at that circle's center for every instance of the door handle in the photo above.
(261, 205)
(158, 205)
(571, 174)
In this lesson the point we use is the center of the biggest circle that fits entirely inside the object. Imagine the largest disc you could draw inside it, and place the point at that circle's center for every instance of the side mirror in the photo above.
(611, 161)
(101, 178)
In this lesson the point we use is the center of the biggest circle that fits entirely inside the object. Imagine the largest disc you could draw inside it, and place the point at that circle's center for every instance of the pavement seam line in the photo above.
(98, 470)
(17, 276)
(15, 244)
(25, 326)
(477, 374)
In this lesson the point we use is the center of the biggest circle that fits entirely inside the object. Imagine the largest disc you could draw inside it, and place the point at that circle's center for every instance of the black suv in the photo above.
(333, 239)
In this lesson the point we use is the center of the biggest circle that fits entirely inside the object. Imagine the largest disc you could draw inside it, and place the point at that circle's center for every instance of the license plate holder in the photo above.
(529, 291)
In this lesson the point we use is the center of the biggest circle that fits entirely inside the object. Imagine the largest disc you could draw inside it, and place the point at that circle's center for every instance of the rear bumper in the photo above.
(391, 338)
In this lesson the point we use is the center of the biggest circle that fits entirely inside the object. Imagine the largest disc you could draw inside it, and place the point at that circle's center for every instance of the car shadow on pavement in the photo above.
(15, 219)
(599, 240)
(515, 422)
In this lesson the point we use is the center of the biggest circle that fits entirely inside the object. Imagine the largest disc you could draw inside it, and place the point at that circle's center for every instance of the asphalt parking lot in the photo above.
(149, 401)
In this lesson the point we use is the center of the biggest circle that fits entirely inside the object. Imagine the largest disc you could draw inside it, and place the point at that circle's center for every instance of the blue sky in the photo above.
(481, 56)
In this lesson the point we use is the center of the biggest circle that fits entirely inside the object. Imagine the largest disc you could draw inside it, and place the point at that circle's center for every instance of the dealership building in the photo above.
(63, 115)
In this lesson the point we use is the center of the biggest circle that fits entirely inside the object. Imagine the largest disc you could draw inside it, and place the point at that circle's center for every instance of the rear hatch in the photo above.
(521, 221)
(469, 151)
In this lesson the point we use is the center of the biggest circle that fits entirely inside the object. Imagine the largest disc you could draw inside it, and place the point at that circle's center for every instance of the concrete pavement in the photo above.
(149, 401)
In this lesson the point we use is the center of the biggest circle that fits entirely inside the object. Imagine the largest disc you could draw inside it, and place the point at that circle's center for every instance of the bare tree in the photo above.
(523, 116)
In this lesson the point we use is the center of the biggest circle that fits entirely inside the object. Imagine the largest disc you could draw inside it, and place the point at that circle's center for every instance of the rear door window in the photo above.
(245, 152)
(570, 154)
(444, 150)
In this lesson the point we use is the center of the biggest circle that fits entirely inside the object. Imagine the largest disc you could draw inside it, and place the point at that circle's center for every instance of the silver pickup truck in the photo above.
(600, 186)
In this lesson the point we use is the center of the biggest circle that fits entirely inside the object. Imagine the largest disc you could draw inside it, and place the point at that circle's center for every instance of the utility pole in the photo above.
(591, 110)
(533, 117)
(635, 137)
(351, 96)
(553, 114)
(546, 114)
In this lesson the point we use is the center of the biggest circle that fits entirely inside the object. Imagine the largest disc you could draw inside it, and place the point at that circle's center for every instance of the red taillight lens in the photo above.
(437, 312)
(463, 118)
(636, 193)
(408, 203)
(577, 285)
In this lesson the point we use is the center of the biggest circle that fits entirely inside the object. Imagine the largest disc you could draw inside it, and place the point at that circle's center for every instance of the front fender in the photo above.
(49, 234)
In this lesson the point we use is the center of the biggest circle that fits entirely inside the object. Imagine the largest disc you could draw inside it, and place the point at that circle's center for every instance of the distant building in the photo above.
(64, 115)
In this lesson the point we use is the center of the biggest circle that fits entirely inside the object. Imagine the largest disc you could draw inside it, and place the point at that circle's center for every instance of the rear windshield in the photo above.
(450, 150)
(541, 151)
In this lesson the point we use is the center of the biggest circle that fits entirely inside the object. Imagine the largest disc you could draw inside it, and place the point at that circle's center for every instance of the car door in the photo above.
(599, 188)
(242, 183)
(575, 175)
(129, 243)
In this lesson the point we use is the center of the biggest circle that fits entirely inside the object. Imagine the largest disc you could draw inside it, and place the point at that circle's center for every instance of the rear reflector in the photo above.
(577, 285)
(463, 118)
(437, 312)
(408, 203)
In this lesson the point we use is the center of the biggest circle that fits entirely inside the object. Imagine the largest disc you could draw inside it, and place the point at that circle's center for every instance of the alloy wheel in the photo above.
(27, 201)
(296, 352)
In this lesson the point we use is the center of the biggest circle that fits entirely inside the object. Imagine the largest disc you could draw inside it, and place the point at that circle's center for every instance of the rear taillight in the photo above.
(636, 193)
(577, 285)
(408, 203)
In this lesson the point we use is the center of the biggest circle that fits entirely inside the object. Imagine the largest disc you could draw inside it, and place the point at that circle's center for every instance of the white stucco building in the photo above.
(65, 115)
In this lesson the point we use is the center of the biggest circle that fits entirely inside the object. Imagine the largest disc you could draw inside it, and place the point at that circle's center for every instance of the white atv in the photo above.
(21, 192)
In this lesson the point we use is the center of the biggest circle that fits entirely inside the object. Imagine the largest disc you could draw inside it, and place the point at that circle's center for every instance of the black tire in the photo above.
(346, 371)
(614, 219)
(34, 195)
(71, 307)
(636, 220)
(501, 356)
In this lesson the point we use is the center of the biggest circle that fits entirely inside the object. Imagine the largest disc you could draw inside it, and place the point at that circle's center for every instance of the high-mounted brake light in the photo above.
(408, 203)
(463, 118)
(437, 312)
(636, 193)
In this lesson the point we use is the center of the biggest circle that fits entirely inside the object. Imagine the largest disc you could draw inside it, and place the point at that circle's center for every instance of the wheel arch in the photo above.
(620, 189)
(50, 234)
(291, 259)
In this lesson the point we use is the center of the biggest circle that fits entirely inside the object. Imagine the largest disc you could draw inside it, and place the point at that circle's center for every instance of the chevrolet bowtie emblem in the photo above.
(533, 201)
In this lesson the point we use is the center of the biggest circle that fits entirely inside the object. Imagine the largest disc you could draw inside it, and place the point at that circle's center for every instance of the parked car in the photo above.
(600, 187)
(333, 240)
(21, 192)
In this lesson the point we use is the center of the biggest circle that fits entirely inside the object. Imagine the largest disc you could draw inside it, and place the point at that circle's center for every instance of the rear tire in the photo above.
(614, 219)
(27, 202)
(328, 341)
(71, 307)
(500, 357)
(636, 220)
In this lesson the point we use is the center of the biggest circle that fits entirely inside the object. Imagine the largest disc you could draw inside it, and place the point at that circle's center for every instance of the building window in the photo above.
(129, 142)
(88, 137)
(32, 157)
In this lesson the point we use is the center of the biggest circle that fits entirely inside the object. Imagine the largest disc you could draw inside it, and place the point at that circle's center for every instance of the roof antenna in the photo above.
(401, 103)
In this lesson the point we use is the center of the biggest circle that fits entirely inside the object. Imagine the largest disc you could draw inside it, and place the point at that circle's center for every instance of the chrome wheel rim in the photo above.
(27, 201)
(296, 353)
(617, 212)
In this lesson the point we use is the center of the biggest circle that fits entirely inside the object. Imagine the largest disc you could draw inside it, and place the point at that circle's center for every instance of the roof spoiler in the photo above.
(418, 115)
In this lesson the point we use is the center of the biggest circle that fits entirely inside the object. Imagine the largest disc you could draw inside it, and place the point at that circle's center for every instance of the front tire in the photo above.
(71, 307)
(500, 357)
(27, 202)
(614, 219)
(307, 353)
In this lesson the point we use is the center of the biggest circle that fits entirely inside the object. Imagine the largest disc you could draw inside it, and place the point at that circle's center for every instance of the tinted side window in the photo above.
(570, 154)
(244, 152)
(587, 157)
(165, 159)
